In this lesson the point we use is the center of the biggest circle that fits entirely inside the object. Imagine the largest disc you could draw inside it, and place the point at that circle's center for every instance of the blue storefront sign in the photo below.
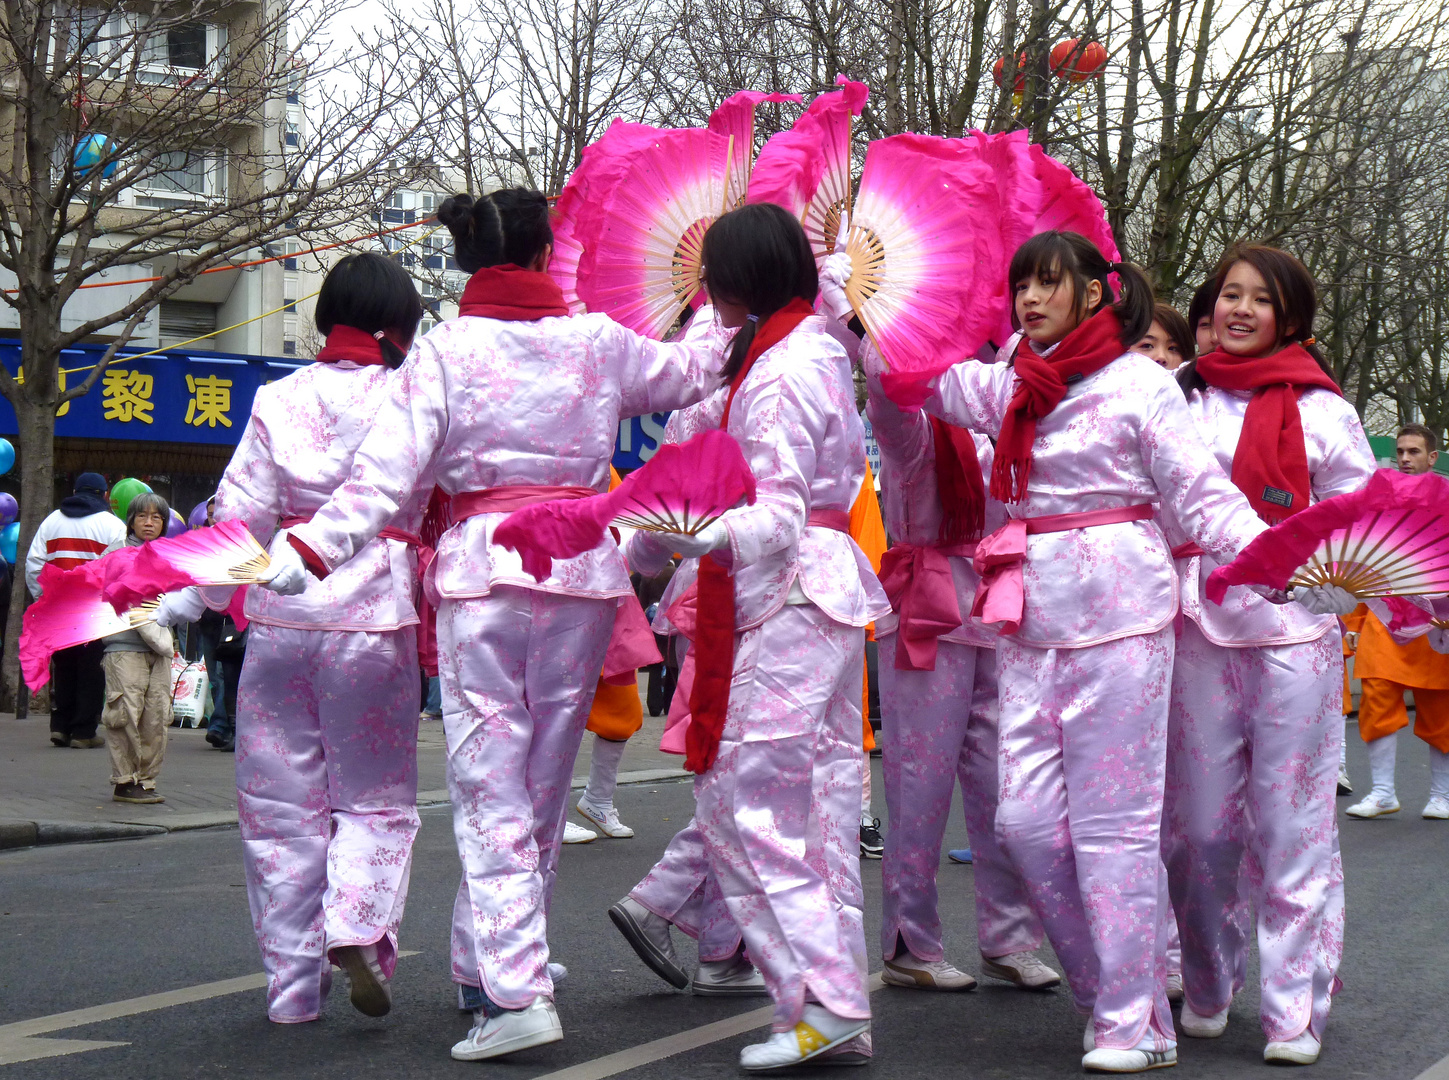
(639, 437)
(175, 397)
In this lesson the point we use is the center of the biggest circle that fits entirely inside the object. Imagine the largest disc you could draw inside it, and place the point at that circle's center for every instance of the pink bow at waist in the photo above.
(1187, 550)
(505, 500)
(1001, 596)
(918, 581)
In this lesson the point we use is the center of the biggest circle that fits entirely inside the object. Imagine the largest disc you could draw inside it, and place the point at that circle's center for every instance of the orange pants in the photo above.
(1381, 711)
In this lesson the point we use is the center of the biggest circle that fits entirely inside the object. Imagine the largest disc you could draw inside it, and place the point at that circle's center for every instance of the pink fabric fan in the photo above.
(70, 611)
(735, 118)
(681, 489)
(643, 264)
(575, 214)
(926, 253)
(829, 208)
(1389, 538)
(221, 554)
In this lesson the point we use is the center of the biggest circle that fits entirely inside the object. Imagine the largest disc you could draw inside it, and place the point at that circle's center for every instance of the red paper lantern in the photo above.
(998, 72)
(1076, 62)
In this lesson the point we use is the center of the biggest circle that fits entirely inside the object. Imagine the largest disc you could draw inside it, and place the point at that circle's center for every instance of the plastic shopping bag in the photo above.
(190, 693)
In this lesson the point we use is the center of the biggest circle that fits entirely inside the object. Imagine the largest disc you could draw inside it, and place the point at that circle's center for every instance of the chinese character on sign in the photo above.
(126, 396)
(210, 400)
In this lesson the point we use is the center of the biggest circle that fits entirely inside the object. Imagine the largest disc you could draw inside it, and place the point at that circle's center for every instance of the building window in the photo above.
(182, 320)
(180, 52)
(289, 346)
(292, 134)
(182, 177)
(291, 247)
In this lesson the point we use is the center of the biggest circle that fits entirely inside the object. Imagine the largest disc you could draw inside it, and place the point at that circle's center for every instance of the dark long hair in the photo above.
(371, 293)
(1056, 255)
(1292, 292)
(757, 256)
(509, 225)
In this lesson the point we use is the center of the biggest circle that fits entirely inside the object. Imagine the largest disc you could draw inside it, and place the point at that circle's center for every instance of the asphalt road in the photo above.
(90, 924)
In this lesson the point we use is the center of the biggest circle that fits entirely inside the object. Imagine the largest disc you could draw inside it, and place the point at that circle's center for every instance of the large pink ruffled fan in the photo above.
(807, 169)
(221, 554)
(1389, 538)
(71, 611)
(681, 489)
(643, 264)
(1038, 193)
(575, 214)
(926, 255)
(735, 118)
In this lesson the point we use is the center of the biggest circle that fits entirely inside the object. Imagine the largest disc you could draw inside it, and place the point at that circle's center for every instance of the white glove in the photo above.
(1326, 599)
(287, 573)
(711, 537)
(833, 276)
(181, 606)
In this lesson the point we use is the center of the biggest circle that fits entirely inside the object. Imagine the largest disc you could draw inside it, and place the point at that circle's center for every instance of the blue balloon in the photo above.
(90, 151)
(9, 508)
(9, 541)
(7, 456)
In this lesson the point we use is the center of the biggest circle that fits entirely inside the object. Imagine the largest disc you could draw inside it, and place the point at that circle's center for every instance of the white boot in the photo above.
(1383, 799)
(1303, 1050)
(818, 1032)
(1438, 805)
(512, 1030)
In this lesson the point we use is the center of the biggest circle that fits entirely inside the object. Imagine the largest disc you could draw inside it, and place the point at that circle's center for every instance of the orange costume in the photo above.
(618, 711)
(1385, 670)
(868, 531)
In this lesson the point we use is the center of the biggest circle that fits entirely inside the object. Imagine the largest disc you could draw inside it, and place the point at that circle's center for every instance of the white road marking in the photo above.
(684, 1041)
(18, 1041)
(1437, 1071)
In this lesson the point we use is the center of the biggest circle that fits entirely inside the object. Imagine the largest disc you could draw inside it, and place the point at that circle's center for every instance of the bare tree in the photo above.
(147, 143)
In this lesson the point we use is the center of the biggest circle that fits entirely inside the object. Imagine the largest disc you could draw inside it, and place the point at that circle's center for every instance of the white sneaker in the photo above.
(370, 994)
(1345, 785)
(1128, 1061)
(1375, 804)
(1437, 808)
(1194, 1024)
(735, 977)
(606, 818)
(818, 1032)
(577, 834)
(1024, 969)
(509, 1032)
(1174, 986)
(903, 969)
(557, 973)
(649, 936)
(1300, 1051)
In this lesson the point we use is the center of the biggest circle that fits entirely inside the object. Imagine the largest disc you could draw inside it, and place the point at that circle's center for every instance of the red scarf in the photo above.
(714, 640)
(1270, 465)
(958, 480)
(513, 293)
(1041, 383)
(350, 343)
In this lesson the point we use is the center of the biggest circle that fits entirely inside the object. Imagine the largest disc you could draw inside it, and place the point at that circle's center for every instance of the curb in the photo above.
(22, 834)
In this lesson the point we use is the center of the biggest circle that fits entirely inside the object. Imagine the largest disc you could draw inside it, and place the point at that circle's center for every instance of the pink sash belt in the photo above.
(502, 500)
(1001, 596)
(917, 579)
(1187, 550)
(839, 520)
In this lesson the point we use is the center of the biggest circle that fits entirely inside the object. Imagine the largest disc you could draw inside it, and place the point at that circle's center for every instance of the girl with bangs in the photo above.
(1090, 436)
(1256, 725)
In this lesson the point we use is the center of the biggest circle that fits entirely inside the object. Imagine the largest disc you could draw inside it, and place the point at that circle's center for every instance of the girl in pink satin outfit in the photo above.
(1080, 581)
(939, 705)
(511, 403)
(778, 755)
(327, 706)
(1256, 724)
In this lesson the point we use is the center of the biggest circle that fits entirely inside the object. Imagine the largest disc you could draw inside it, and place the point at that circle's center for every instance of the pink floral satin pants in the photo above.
(1082, 760)
(518, 670)
(327, 781)
(1252, 766)
(937, 727)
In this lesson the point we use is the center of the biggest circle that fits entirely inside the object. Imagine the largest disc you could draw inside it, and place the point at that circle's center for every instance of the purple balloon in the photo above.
(175, 527)
(9, 508)
(198, 515)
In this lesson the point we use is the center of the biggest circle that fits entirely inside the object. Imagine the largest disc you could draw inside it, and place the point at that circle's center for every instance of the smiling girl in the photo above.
(1080, 581)
(1256, 724)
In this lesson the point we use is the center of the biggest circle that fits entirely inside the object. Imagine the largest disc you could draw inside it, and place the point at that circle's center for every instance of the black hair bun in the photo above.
(457, 213)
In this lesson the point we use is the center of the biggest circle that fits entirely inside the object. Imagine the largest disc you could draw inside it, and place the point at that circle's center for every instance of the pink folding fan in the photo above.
(70, 611)
(643, 264)
(681, 489)
(221, 554)
(1389, 538)
(735, 118)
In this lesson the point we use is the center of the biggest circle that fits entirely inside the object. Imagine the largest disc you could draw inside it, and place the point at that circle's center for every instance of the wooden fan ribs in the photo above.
(1370, 562)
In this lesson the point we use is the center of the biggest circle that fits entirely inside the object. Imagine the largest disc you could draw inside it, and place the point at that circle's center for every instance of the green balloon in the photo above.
(122, 492)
